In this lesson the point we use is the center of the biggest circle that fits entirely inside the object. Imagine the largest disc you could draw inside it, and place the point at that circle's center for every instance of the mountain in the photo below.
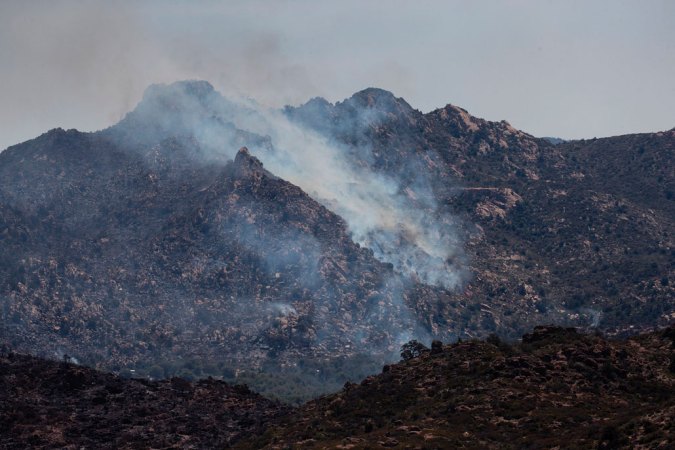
(122, 265)
(133, 249)
(557, 389)
(298, 249)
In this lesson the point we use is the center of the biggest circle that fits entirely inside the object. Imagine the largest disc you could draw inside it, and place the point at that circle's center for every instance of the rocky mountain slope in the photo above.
(556, 389)
(155, 246)
(583, 227)
(233, 265)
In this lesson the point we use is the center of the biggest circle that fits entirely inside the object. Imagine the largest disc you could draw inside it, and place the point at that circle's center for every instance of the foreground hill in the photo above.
(46, 404)
(556, 389)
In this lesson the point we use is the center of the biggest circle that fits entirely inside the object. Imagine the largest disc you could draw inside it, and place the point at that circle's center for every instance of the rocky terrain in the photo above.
(248, 269)
(155, 246)
(556, 389)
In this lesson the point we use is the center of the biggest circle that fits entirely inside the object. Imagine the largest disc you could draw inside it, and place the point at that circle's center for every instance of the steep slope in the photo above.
(558, 389)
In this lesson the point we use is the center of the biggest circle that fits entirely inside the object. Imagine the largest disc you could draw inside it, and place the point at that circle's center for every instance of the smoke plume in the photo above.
(397, 222)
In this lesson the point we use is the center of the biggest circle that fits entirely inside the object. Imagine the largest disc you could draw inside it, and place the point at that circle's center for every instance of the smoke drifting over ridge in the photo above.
(397, 224)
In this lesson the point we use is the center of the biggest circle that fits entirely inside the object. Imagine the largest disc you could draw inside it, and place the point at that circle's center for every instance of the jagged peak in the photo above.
(380, 99)
(245, 163)
(459, 116)
(242, 154)
(375, 93)
(455, 108)
(318, 102)
(310, 109)
(185, 97)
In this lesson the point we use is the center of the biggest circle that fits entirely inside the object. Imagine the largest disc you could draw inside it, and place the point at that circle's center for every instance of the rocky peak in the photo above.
(318, 113)
(318, 103)
(458, 117)
(246, 164)
(184, 108)
(185, 97)
(381, 100)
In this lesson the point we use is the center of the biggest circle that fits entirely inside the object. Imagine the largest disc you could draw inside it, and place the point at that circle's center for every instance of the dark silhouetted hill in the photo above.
(558, 388)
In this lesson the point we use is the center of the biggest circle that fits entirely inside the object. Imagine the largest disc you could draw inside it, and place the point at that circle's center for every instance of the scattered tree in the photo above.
(412, 349)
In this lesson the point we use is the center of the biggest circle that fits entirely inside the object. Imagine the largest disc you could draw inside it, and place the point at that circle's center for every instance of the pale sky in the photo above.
(562, 68)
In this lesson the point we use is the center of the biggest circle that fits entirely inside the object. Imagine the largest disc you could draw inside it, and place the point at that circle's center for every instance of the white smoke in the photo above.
(380, 215)
(399, 224)
(283, 309)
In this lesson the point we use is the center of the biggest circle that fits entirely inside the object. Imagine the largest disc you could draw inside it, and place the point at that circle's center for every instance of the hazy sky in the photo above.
(552, 68)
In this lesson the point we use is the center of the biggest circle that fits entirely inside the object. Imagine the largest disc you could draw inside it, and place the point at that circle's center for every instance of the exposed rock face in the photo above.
(152, 264)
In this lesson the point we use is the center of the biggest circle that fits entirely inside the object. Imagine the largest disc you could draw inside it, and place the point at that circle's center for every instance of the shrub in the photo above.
(412, 349)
